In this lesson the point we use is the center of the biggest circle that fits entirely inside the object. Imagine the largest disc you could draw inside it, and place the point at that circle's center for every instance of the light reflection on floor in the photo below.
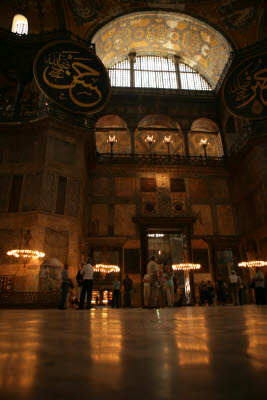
(211, 353)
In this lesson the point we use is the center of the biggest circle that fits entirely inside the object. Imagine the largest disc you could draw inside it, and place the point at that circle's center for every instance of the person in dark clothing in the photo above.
(220, 289)
(202, 293)
(116, 292)
(87, 272)
(66, 283)
(79, 279)
(210, 293)
(127, 284)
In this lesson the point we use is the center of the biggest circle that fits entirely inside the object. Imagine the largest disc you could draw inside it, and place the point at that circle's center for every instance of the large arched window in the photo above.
(156, 72)
(20, 25)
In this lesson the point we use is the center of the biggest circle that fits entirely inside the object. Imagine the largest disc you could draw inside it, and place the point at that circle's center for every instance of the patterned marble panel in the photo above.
(123, 223)
(199, 188)
(125, 187)
(32, 192)
(48, 192)
(99, 219)
(226, 224)
(73, 198)
(203, 224)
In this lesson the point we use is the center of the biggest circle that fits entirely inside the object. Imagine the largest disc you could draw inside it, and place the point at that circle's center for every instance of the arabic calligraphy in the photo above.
(245, 90)
(73, 77)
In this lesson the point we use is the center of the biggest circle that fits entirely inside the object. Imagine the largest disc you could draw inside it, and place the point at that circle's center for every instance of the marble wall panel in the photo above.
(148, 184)
(99, 219)
(56, 244)
(199, 188)
(100, 187)
(48, 192)
(5, 182)
(32, 192)
(203, 224)
(73, 198)
(220, 188)
(226, 225)
(123, 223)
(9, 239)
(125, 187)
(61, 151)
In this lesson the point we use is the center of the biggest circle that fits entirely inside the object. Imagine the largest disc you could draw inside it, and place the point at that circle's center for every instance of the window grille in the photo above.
(156, 72)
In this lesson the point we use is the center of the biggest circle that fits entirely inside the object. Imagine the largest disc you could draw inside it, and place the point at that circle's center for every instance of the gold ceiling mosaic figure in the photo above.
(199, 45)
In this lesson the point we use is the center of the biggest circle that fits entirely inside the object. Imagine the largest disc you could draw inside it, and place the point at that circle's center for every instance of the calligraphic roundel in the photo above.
(72, 76)
(245, 88)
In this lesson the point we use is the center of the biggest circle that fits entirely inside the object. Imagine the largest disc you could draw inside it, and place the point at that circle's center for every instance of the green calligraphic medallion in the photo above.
(72, 76)
(245, 89)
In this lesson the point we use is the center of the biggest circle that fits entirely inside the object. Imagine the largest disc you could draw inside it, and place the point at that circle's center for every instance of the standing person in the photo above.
(210, 293)
(116, 292)
(169, 287)
(202, 289)
(234, 282)
(258, 280)
(160, 285)
(241, 293)
(66, 283)
(127, 284)
(79, 279)
(87, 272)
(152, 270)
(146, 282)
(220, 289)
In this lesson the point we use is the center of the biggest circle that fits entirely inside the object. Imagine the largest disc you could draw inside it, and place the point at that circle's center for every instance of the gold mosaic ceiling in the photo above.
(198, 44)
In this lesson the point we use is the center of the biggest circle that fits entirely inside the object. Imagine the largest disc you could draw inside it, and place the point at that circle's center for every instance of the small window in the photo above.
(20, 25)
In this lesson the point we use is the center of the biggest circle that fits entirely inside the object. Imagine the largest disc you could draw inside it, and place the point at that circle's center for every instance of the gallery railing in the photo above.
(160, 159)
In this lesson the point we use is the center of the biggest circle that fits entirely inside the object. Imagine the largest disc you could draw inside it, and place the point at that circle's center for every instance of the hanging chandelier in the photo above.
(185, 267)
(26, 253)
(106, 268)
(253, 264)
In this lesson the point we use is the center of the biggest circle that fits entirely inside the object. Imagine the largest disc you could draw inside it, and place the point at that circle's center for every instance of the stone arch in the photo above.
(155, 32)
(206, 129)
(112, 125)
(159, 121)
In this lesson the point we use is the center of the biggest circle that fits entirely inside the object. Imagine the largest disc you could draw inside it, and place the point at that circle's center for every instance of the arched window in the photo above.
(20, 25)
(156, 72)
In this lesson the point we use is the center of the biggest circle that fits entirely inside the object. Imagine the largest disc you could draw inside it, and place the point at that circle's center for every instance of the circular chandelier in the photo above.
(185, 266)
(26, 253)
(253, 264)
(106, 268)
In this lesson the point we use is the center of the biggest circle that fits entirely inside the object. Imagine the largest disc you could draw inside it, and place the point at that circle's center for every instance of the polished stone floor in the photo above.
(185, 353)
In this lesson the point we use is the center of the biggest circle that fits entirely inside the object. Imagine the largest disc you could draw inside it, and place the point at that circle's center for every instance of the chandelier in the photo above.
(185, 267)
(106, 268)
(253, 264)
(25, 253)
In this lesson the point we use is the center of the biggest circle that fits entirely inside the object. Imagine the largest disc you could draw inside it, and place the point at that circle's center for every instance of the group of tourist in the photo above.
(161, 288)
(235, 287)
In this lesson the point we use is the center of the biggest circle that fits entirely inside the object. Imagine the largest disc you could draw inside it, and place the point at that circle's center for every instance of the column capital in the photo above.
(132, 56)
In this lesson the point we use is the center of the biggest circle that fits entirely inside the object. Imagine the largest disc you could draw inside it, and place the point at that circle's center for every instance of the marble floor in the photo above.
(185, 353)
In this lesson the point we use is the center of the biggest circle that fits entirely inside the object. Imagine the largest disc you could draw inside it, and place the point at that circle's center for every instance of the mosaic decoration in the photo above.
(158, 32)
(237, 15)
(178, 203)
(244, 91)
(85, 10)
(72, 76)
(214, 148)
(150, 205)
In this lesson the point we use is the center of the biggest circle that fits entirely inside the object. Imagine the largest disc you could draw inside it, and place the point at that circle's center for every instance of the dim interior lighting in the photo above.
(185, 266)
(253, 264)
(204, 142)
(106, 268)
(26, 253)
(155, 235)
(111, 139)
(150, 139)
(167, 139)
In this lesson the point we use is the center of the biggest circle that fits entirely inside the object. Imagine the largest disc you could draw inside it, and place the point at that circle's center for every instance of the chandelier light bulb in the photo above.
(185, 266)
(253, 264)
